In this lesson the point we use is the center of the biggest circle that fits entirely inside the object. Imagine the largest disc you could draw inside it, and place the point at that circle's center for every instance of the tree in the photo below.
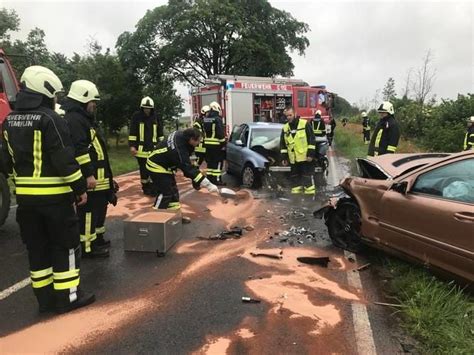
(424, 79)
(193, 40)
(9, 21)
(389, 90)
(408, 83)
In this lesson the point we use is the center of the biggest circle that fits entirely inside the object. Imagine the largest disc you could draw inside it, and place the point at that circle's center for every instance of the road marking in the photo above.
(360, 317)
(16, 287)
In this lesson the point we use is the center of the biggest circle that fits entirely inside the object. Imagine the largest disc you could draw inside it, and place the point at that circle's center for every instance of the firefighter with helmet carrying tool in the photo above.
(146, 130)
(214, 142)
(387, 132)
(200, 150)
(365, 127)
(91, 154)
(39, 155)
(298, 148)
(170, 155)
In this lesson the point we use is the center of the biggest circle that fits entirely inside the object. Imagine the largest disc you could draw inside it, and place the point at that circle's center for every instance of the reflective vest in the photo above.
(319, 129)
(103, 179)
(296, 142)
(469, 139)
(198, 125)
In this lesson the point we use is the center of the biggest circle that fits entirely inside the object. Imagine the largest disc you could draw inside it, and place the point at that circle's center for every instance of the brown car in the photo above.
(418, 206)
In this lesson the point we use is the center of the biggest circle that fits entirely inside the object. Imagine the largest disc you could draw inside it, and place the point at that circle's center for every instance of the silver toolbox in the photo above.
(155, 231)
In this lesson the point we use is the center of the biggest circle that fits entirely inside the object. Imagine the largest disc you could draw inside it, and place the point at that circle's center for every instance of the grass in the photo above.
(121, 161)
(438, 314)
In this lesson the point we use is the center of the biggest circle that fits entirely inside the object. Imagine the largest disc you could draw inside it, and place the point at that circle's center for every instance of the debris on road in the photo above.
(320, 261)
(387, 304)
(234, 233)
(250, 300)
(266, 255)
(249, 228)
(185, 220)
(362, 268)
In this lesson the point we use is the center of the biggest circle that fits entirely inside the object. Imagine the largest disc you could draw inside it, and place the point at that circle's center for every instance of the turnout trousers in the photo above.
(92, 218)
(302, 178)
(215, 161)
(145, 179)
(366, 136)
(167, 191)
(51, 235)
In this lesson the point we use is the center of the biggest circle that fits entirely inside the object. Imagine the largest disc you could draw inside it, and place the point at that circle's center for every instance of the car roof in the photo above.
(265, 125)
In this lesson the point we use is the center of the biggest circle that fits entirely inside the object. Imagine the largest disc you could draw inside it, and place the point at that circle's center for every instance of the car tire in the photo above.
(344, 226)
(251, 177)
(4, 199)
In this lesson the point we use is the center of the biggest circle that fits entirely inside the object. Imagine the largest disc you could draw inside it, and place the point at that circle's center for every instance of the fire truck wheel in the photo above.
(250, 177)
(4, 199)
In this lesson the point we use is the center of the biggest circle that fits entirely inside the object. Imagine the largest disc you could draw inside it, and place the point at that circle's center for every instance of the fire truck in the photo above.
(8, 90)
(247, 99)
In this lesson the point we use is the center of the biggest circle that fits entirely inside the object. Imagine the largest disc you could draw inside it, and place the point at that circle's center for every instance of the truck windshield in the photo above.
(268, 138)
(7, 82)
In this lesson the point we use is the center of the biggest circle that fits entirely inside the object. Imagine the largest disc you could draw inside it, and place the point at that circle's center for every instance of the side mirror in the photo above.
(401, 187)
(239, 143)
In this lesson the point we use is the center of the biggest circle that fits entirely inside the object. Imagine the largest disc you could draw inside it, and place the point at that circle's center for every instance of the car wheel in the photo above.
(344, 226)
(250, 177)
(4, 199)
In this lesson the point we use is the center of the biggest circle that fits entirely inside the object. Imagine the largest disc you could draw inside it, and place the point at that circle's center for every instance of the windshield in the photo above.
(268, 138)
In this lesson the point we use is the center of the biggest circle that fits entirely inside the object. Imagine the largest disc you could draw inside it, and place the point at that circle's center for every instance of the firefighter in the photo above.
(298, 148)
(365, 127)
(214, 142)
(319, 127)
(330, 129)
(91, 154)
(200, 150)
(169, 156)
(146, 130)
(387, 132)
(469, 138)
(39, 155)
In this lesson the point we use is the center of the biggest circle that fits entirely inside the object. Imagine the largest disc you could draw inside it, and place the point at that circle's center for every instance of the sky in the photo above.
(355, 46)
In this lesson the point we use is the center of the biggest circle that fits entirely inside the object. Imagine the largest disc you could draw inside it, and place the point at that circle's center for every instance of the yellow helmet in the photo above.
(386, 107)
(318, 112)
(147, 102)
(214, 106)
(363, 114)
(42, 81)
(83, 91)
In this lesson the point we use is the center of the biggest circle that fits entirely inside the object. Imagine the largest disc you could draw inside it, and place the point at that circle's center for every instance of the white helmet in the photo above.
(205, 109)
(318, 112)
(147, 102)
(363, 114)
(214, 106)
(470, 119)
(42, 81)
(83, 91)
(386, 107)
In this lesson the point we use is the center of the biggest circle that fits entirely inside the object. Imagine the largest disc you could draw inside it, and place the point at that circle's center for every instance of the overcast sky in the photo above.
(355, 46)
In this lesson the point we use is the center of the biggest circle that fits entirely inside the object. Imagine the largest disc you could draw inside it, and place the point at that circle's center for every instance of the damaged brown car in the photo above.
(417, 206)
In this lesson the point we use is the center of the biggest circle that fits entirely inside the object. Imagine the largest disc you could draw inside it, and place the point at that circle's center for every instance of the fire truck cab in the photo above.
(246, 99)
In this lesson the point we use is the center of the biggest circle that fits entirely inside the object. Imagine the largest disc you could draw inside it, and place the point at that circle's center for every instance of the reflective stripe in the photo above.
(284, 151)
(86, 238)
(41, 278)
(132, 138)
(41, 273)
(141, 136)
(297, 145)
(47, 180)
(161, 138)
(42, 190)
(42, 283)
(157, 168)
(73, 177)
(391, 148)
(37, 154)
(101, 185)
(200, 149)
(378, 138)
(100, 230)
(198, 177)
(83, 159)
(66, 285)
(174, 206)
(297, 190)
(310, 190)
(142, 154)
(97, 146)
(155, 132)
(100, 174)
(66, 274)
(311, 146)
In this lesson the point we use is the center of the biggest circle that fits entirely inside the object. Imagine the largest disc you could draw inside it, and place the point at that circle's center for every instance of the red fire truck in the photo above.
(247, 99)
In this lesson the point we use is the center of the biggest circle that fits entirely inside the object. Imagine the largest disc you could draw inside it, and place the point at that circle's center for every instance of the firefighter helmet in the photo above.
(470, 119)
(83, 91)
(42, 81)
(214, 106)
(386, 107)
(318, 112)
(147, 102)
(205, 109)
(364, 114)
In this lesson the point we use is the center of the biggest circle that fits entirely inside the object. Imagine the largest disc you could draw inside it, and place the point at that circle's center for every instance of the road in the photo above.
(190, 300)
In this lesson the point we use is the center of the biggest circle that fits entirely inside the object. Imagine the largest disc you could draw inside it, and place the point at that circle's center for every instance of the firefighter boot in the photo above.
(101, 242)
(63, 305)
(96, 251)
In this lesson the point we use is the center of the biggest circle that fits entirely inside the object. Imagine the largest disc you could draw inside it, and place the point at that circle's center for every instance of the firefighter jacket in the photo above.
(214, 132)
(90, 148)
(38, 154)
(469, 138)
(366, 124)
(199, 125)
(319, 127)
(297, 141)
(385, 137)
(173, 154)
(145, 133)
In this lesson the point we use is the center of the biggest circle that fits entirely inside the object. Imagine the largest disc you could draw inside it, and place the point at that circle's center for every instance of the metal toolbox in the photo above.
(155, 231)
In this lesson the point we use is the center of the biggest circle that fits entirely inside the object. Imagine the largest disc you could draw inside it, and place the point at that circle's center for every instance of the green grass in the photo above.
(349, 144)
(438, 314)
(121, 161)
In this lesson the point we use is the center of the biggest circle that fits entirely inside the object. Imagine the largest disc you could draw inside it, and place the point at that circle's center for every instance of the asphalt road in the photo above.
(190, 300)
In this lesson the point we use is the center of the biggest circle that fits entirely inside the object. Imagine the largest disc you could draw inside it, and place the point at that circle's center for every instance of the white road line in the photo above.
(360, 317)
(16, 287)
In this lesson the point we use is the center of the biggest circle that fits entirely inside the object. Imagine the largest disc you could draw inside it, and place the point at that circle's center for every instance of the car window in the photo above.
(244, 135)
(302, 98)
(452, 182)
(236, 132)
(268, 138)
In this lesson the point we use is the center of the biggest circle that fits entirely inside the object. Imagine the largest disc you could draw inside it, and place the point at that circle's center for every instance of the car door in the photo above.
(234, 150)
(433, 220)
